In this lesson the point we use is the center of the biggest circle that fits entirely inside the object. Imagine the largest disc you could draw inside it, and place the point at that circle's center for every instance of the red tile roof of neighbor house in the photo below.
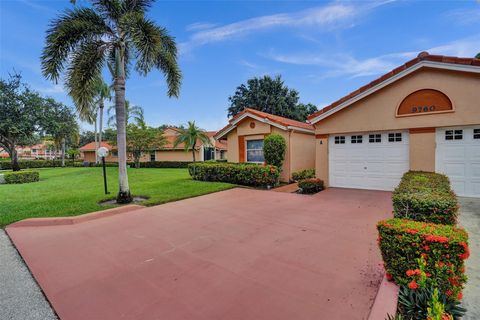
(274, 118)
(92, 146)
(422, 56)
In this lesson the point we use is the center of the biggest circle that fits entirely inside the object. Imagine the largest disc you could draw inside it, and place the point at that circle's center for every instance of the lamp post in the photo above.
(103, 152)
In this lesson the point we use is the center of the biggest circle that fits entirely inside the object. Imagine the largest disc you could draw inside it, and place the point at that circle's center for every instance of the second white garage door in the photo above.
(375, 160)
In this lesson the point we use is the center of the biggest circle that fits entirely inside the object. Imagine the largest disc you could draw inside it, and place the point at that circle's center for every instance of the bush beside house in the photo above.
(303, 174)
(425, 196)
(236, 173)
(18, 177)
(310, 186)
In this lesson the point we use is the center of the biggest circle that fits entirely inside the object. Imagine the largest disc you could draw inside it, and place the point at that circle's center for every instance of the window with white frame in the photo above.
(356, 139)
(395, 137)
(339, 139)
(453, 134)
(375, 138)
(255, 151)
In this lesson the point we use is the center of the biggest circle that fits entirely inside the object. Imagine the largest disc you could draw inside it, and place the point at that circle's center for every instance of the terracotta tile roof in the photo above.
(91, 146)
(274, 118)
(422, 56)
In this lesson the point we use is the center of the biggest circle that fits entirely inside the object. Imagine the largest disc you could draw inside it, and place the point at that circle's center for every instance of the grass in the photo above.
(74, 191)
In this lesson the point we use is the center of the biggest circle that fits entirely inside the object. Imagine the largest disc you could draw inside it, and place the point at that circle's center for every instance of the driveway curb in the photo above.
(58, 221)
(385, 301)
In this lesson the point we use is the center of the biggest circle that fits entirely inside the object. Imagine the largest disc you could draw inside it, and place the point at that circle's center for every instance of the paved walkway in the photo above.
(470, 220)
(20, 296)
(236, 254)
(288, 188)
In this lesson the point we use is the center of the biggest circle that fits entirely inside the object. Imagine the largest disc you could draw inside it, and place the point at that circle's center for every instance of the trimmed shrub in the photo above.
(309, 186)
(443, 247)
(274, 147)
(303, 174)
(27, 164)
(18, 177)
(425, 196)
(164, 164)
(237, 173)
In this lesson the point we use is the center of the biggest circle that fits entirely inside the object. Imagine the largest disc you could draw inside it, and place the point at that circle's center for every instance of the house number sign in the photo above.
(424, 101)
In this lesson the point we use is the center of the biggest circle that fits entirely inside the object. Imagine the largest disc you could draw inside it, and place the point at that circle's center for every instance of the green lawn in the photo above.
(73, 191)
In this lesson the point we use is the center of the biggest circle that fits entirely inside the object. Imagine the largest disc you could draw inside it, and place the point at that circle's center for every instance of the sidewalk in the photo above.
(20, 296)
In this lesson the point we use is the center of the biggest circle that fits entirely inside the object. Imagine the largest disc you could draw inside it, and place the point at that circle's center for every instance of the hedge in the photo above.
(164, 164)
(312, 185)
(443, 247)
(18, 177)
(237, 173)
(303, 174)
(26, 164)
(425, 196)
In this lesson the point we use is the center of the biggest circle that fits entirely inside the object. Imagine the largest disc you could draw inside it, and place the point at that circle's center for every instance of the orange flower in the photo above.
(413, 285)
(459, 296)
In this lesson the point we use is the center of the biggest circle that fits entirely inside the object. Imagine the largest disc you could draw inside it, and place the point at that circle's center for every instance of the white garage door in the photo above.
(458, 156)
(375, 160)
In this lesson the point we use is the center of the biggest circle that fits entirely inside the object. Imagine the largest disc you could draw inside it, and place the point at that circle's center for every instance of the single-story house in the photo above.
(216, 151)
(423, 115)
(245, 133)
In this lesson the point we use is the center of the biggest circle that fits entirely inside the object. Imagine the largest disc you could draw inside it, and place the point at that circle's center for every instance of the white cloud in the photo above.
(200, 26)
(327, 17)
(347, 65)
(56, 88)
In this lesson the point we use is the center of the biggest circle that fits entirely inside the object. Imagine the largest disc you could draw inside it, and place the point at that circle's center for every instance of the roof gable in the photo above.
(424, 59)
(271, 119)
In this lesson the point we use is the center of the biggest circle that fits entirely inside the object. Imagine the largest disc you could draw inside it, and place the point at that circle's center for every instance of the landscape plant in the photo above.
(142, 139)
(274, 147)
(303, 174)
(311, 185)
(189, 137)
(443, 248)
(116, 34)
(425, 196)
(19, 177)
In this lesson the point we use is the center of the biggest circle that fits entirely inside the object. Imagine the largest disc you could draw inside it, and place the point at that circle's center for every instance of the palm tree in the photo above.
(131, 113)
(102, 93)
(189, 136)
(82, 41)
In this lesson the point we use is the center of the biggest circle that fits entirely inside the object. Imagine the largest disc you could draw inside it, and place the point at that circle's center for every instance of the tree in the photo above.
(113, 33)
(102, 94)
(477, 56)
(73, 153)
(269, 95)
(21, 112)
(142, 138)
(274, 147)
(189, 137)
(132, 112)
(60, 122)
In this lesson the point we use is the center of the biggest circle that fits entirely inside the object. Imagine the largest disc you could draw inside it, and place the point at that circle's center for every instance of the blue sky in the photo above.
(322, 49)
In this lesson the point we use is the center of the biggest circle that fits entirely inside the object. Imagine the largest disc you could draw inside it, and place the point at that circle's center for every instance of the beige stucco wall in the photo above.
(302, 151)
(176, 155)
(321, 158)
(89, 156)
(377, 112)
(422, 151)
(232, 154)
(243, 128)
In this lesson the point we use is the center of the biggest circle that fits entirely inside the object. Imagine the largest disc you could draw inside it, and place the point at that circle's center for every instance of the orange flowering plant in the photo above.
(418, 252)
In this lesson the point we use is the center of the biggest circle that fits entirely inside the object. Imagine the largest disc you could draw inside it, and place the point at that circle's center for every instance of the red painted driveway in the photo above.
(237, 254)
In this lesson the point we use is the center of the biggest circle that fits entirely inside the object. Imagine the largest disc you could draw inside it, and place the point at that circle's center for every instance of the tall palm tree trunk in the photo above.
(193, 155)
(124, 195)
(96, 141)
(100, 125)
(63, 152)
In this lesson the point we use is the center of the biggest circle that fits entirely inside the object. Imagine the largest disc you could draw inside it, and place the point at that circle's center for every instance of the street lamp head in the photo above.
(102, 152)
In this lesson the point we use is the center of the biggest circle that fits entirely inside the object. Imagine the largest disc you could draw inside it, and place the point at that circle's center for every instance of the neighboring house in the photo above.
(245, 133)
(423, 115)
(168, 152)
(37, 151)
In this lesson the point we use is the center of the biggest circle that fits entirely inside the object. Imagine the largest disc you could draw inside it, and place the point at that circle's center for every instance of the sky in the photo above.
(323, 49)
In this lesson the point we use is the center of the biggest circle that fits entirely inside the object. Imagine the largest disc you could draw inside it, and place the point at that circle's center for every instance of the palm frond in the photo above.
(68, 32)
(82, 76)
(137, 5)
(109, 9)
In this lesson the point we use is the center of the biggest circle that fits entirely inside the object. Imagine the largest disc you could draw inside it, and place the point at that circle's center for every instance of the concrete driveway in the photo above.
(236, 254)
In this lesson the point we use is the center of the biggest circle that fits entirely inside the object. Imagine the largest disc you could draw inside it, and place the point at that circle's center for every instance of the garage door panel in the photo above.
(459, 160)
(378, 165)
